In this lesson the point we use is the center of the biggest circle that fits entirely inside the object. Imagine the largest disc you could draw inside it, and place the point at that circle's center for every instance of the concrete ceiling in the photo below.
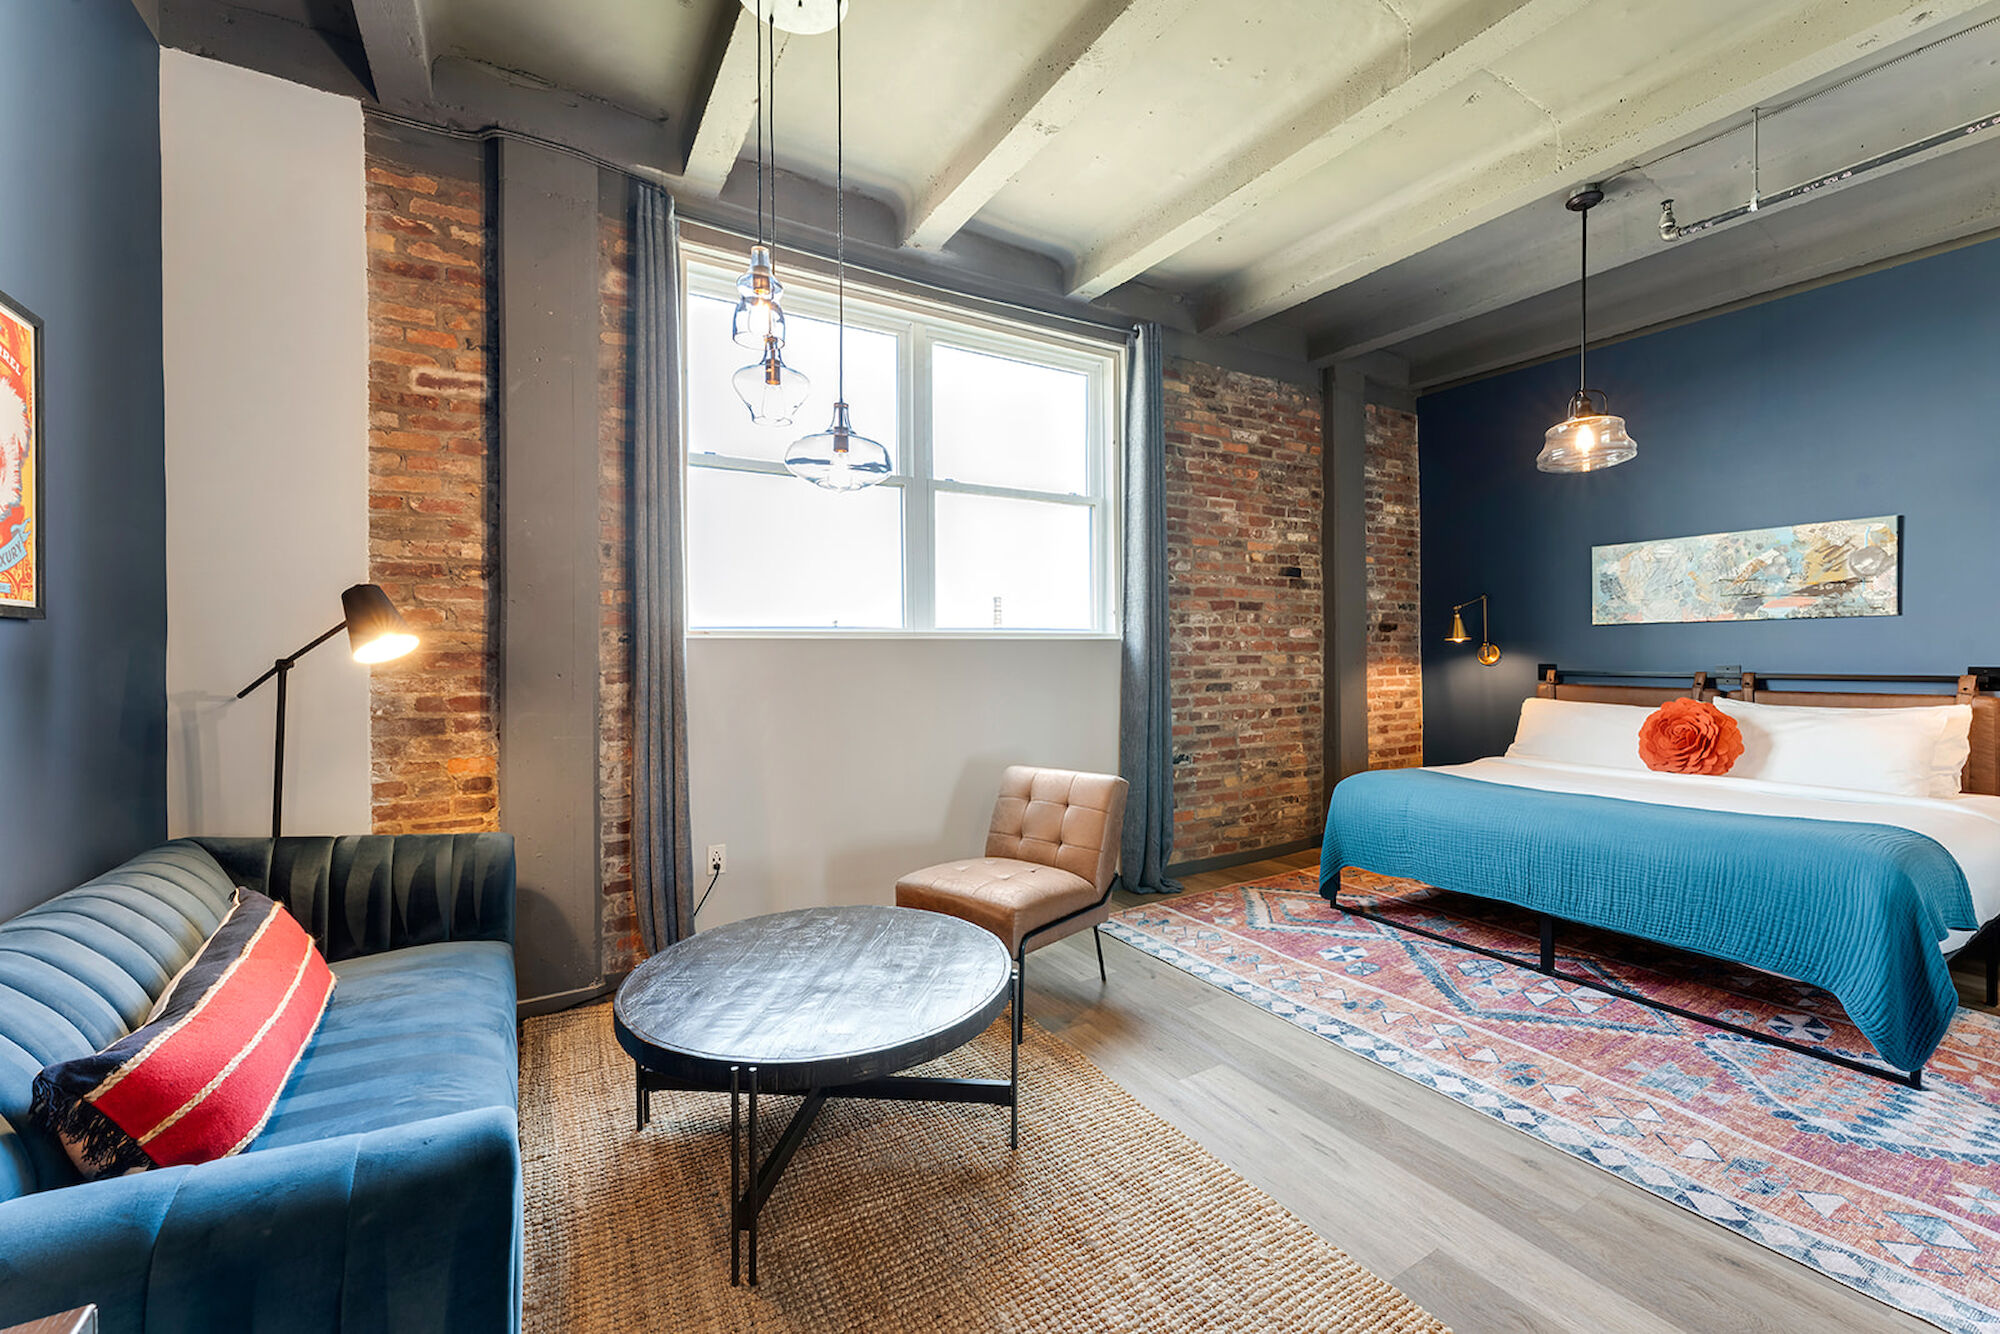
(1328, 179)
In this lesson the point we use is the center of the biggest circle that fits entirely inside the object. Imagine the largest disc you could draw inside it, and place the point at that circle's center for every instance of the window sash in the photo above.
(918, 326)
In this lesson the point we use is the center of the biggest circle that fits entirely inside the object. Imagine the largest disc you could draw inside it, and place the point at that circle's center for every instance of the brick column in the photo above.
(1244, 609)
(1393, 533)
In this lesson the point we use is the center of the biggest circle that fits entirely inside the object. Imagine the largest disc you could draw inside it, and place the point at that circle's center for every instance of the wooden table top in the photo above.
(815, 997)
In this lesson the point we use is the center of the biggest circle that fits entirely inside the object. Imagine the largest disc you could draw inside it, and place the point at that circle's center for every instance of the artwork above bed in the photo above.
(1839, 567)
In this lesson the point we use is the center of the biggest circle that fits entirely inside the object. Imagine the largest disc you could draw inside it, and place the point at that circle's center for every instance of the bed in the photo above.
(1866, 893)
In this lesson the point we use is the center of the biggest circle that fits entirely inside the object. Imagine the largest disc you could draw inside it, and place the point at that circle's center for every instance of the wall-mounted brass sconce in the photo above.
(1489, 652)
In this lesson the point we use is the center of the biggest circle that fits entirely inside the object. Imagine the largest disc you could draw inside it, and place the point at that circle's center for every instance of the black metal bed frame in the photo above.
(1988, 679)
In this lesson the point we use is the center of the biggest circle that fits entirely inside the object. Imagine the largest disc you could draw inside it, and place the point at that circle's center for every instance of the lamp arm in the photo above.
(285, 663)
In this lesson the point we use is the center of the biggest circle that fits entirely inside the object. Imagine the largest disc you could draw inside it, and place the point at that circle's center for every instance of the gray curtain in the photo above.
(662, 860)
(1145, 713)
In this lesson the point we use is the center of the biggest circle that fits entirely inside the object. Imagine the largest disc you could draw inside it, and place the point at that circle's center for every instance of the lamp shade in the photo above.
(1585, 442)
(1457, 635)
(758, 315)
(376, 631)
(773, 391)
(837, 458)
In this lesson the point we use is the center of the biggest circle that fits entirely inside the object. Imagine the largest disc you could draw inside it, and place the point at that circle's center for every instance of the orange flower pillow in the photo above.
(1689, 736)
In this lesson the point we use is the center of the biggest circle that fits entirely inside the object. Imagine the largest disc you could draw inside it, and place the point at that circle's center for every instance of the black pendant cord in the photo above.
(840, 204)
(1583, 307)
(760, 122)
(771, 83)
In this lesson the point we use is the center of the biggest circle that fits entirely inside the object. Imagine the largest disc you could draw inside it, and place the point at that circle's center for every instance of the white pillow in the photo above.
(1571, 732)
(1947, 725)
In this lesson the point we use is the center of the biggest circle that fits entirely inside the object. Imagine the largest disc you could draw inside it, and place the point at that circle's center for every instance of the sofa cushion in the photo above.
(80, 971)
(410, 1034)
(197, 1080)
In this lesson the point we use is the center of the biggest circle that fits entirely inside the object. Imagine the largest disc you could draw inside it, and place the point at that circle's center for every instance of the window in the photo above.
(998, 518)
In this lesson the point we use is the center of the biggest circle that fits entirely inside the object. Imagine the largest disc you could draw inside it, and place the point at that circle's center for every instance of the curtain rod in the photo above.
(492, 132)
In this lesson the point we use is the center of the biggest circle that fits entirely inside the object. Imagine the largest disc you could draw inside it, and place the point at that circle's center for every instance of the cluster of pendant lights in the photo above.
(837, 458)
(1589, 437)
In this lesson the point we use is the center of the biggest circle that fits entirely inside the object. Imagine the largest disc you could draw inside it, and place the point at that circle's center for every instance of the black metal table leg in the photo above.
(755, 1205)
(645, 1094)
(735, 1177)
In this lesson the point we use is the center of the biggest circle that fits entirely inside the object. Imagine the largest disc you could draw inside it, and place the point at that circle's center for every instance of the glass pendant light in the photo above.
(1589, 436)
(773, 391)
(758, 315)
(837, 458)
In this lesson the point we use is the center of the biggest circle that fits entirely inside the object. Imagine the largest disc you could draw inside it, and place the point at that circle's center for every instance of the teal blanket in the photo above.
(1857, 909)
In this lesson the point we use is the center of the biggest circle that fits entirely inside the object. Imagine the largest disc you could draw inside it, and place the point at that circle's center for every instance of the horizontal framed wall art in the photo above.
(1839, 567)
(20, 460)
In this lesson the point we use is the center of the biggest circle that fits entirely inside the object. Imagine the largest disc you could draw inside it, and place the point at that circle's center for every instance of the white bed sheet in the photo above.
(1968, 827)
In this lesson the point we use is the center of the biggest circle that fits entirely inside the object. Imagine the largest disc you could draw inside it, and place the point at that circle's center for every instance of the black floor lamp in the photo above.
(376, 632)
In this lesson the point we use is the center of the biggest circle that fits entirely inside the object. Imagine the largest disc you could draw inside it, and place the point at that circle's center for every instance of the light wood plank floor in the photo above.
(1487, 1228)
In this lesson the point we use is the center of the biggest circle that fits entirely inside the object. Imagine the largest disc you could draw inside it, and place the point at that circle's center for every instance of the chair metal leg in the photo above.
(1014, 1070)
(1020, 992)
(1097, 934)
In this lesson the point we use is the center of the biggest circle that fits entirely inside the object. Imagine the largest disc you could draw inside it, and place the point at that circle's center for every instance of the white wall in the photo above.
(831, 766)
(266, 325)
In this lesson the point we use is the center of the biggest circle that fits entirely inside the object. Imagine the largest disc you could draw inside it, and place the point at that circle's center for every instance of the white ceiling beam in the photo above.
(1427, 63)
(1061, 82)
(399, 50)
(1701, 89)
(727, 110)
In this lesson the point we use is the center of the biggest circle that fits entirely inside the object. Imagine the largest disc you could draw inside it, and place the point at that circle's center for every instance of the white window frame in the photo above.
(919, 324)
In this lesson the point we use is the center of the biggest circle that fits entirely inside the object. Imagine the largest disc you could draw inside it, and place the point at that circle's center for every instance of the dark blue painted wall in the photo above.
(83, 693)
(1879, 395)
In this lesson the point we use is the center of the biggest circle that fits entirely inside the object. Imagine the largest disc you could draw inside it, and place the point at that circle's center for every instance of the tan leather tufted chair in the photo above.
(1051, 852)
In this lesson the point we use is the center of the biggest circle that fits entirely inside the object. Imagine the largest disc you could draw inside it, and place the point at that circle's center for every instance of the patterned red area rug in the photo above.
(1892, 1191)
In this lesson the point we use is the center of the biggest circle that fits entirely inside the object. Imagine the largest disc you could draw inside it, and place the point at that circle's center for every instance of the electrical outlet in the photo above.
(718, 858)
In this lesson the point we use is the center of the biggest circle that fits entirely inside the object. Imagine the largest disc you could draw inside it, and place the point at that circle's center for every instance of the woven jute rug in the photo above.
(1891, 1190)
(910, 1216)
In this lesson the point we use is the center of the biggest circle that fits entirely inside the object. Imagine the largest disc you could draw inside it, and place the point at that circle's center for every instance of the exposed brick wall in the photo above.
(432, 492)
(622, 946)
(1392, 532)
(1244, 495)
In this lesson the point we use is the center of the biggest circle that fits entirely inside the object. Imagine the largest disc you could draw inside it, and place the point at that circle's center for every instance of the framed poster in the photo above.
(20, 461)
(1839, 567)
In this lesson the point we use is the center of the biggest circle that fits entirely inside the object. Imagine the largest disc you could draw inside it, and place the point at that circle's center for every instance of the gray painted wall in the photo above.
(1873, 396)
(83, 693)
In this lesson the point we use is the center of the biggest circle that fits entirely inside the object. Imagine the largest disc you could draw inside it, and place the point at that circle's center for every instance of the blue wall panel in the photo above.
(1879, 395)
(83, 692)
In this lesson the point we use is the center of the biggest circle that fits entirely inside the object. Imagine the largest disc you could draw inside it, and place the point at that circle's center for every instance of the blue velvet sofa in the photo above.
(385, 1191)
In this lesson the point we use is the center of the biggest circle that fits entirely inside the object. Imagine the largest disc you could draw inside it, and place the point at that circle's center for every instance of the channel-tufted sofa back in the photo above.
(81, 971)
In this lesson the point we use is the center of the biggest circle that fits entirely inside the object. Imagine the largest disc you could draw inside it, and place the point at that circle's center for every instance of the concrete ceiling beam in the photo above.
(1428, 62)
(399, 50)
(468, 95)
(1060, 84)
(726, 109)
(1696, 88)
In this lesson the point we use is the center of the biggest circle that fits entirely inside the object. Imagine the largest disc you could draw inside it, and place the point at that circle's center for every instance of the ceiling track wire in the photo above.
(1671, 230)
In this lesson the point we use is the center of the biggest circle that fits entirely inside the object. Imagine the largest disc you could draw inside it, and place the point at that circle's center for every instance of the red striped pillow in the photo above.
(198, 1080)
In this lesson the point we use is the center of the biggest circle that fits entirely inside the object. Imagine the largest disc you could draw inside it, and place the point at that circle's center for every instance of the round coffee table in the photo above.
(824, 1002)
